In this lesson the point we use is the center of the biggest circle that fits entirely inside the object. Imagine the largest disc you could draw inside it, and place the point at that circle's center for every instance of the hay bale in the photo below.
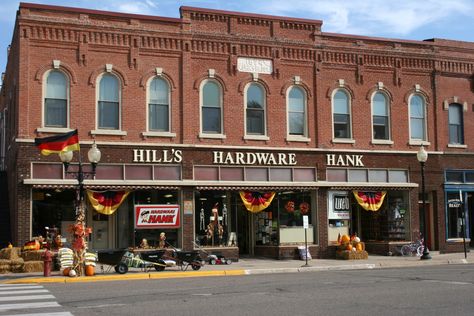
(5, 268)
(4, 262)
(16, 268)
(33, 266)
(32, 255)
(10, 253)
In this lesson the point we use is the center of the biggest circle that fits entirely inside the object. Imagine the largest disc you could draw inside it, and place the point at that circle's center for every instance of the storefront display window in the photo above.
(214, 219)
(152, 236)
(292, 206)
(454, 216)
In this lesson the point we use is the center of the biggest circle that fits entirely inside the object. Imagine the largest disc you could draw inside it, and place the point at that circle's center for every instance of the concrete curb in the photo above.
(217, 273)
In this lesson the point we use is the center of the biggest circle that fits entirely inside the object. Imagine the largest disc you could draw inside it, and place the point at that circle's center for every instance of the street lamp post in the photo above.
(79, 229)
(422, 156)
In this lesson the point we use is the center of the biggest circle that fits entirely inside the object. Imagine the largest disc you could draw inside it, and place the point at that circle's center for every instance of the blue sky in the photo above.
(400, 19)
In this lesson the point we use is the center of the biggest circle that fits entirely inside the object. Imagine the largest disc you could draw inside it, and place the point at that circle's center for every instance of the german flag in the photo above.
(58, 143)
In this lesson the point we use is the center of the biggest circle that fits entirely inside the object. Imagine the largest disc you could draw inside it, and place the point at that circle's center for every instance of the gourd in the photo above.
(349, 247)
(345, 239)
(66, 271)
(359, 247)
(90, 270)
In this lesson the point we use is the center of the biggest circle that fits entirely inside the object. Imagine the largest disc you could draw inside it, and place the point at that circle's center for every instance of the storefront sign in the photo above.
(156, 216)
(454, 203)
(254, 65)
(340, 208)
(344, 160)
(160, 156)
(258, 158)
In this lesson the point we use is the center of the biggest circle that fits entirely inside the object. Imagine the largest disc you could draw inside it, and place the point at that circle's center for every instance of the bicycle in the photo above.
(414, 248)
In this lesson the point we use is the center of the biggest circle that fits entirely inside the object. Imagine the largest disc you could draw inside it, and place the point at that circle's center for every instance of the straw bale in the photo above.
(10, 253)
(4, 262)
(17, 268)
(33, 266)
(34, 255)
(18, 261)
(5, 268)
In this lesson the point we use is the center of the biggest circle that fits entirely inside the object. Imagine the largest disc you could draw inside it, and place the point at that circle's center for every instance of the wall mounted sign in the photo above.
(159, 156)
(254, 65)
(254, 158)
(454, 203)
(344, 160)
(156, 216)
(339, 205)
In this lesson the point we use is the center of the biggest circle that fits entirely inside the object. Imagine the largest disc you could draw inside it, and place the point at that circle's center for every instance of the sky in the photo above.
(398, 19)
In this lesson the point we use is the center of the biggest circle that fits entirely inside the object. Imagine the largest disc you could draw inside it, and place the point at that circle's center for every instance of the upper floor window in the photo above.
(380, 117)
(341, 115)
(56, 100)
(211, 107)
(158, 105)
(255, 110)
(109, 102)
(297, 112)
(456, 130)
(417, 118)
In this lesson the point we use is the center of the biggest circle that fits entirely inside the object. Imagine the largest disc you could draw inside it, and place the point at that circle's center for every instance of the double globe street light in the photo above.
(422, 157)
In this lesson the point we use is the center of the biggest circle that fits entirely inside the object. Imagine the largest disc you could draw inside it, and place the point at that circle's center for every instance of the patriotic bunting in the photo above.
(58, 143)
(370, 201)
(255, 201)
(106, 202)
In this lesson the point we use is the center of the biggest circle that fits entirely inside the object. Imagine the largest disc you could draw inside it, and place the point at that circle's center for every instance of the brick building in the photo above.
(203, 112)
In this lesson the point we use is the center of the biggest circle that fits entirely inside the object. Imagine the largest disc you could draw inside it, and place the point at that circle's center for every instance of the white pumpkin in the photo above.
(357, 239)
(72, 273)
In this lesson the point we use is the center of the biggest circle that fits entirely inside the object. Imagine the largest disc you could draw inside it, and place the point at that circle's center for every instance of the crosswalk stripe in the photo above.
(20, 288)
(25, 292)
(46, 314)
(6, 307)
(26, 298)
(18, 285)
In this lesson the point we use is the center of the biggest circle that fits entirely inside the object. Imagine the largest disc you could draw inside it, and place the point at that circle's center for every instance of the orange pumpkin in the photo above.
(66, 271)
(345, 239)
(359, 247)
(349, 247)
(90, 270)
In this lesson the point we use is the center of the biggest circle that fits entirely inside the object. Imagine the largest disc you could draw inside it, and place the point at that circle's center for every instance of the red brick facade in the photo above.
(207, 43)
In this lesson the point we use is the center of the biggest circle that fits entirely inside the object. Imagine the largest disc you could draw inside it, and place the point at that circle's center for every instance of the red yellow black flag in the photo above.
(58, 143)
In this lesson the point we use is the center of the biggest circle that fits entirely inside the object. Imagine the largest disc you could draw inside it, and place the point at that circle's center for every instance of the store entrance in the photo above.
(470, 218)
(100, 231)
(244, 229)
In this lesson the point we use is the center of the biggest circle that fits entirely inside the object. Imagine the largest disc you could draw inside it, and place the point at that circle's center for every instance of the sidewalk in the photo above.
(247, 266)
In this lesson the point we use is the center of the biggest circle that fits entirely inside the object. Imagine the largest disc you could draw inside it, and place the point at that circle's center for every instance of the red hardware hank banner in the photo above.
(156, 216)
(58, 143)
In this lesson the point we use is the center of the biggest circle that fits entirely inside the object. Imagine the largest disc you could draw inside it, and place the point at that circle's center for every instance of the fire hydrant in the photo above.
(47, 259)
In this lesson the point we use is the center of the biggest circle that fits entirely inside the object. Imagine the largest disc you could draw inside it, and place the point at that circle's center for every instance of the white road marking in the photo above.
(29, 287)
(7, 307)
(26, 298)
(24, 292)
(46, 314)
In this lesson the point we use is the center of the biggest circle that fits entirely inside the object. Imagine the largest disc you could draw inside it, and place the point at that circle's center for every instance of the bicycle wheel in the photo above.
(406, 251)
(419, 251)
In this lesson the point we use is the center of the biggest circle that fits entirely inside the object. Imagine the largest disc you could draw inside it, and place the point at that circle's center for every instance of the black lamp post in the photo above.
(422, 156)
(79, 230)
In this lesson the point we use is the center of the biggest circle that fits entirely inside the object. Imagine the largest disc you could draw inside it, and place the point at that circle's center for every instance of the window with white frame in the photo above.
(296, 112)
(417, 118)
(380, 117)
(341, 115)
(211, 107)
(56, 100)
(255, 110)
(109, 102)
(456, 129)
(158, 105)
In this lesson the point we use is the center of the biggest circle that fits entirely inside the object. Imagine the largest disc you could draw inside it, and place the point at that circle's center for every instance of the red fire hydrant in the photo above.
(47, 259)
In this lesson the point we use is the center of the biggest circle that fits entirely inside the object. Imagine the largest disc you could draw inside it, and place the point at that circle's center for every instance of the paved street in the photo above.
(432, 290)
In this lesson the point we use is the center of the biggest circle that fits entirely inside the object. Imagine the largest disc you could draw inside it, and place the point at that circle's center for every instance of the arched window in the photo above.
(158, 105)
(255, 110)
(456, 124)
(56, 100)
(211, 107)
(417, 118)
(297, 112)
(109, 102)
(341, 115)
(380, 117)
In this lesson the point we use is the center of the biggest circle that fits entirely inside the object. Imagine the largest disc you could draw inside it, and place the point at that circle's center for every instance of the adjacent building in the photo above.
(201, 116)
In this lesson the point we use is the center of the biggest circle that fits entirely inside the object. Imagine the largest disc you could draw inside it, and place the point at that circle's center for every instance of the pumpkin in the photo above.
(66, 271)
(357, 239)
(345, 239)
(359, 247)
(349, 247)
(90, 270)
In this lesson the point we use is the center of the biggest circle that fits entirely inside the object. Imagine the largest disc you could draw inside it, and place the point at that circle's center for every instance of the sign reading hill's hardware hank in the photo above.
(156, 216)
(242, 158)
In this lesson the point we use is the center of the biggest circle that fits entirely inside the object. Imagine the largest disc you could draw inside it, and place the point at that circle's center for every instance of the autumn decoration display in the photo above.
(350, 247)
